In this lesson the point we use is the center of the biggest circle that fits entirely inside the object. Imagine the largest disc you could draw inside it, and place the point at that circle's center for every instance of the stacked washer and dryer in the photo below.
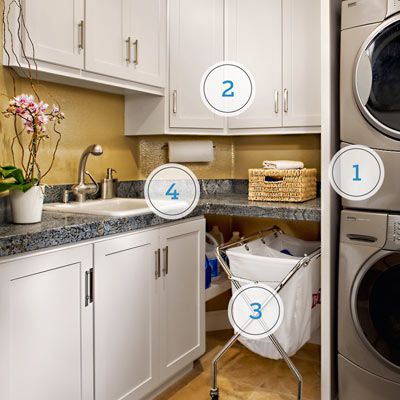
(369, 265)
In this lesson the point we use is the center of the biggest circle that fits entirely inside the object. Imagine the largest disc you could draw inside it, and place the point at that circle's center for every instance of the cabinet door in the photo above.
(148, 32)
(253, 39)
(46, 329)
(108, 42)
(301, 63)
(55, 30)
(183, 308)
(196, 43)
(126, 333)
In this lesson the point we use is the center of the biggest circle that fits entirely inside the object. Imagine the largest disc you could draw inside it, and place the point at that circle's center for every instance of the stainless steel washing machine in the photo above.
(370, 89)
(369, 306)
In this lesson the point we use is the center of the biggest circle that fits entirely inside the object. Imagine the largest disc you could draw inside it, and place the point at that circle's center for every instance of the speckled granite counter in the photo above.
(60, 228)
(238, 205)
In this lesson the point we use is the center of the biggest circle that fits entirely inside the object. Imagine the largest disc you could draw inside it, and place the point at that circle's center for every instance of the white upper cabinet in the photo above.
(301, 63)
(116, 46)
(149, 35)
(56, 30)
(107, 44)
(196, 43)
(126, 39)
(253, 39)
(278, 41)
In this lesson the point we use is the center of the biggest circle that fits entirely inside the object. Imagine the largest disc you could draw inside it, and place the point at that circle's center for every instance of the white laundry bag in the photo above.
(263, 261)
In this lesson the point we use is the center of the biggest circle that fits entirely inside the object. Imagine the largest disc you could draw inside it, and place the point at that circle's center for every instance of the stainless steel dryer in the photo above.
(369, 306)
(370, 73)
(370, 89)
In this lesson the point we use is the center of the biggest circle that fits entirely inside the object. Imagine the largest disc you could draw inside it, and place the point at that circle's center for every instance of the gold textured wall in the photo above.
(96, 117)
(251, 151)
(233, 156)
(153, 152)
(91, 117)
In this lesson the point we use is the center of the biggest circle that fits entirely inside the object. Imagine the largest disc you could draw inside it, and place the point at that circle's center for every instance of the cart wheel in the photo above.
(214, 394)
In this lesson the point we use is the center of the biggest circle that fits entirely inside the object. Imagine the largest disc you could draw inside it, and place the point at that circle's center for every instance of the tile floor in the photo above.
(244, 375)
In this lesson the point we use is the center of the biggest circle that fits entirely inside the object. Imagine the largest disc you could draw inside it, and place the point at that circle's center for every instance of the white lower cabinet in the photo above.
(46, 330)
(111, 320)
(126, 316)
(182, 330)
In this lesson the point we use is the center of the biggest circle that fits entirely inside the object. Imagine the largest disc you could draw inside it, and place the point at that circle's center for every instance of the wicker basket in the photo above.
(293, 185)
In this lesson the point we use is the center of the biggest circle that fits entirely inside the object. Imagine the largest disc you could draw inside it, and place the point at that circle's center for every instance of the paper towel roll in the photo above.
(191, 151)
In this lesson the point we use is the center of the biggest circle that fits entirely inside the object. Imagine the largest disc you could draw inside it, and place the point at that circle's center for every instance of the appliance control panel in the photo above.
(393, 233)
(393, 7)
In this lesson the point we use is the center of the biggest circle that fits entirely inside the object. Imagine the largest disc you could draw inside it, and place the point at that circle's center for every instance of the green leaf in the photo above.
(9, 171)
(6, 186)
(15, 186)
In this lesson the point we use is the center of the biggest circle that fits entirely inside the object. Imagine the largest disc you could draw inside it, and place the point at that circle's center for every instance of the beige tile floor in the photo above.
(243, 375)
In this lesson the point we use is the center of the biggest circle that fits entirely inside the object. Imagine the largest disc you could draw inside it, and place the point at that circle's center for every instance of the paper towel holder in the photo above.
(165, 146)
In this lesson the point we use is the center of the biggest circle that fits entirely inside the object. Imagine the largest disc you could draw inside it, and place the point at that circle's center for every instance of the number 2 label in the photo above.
(228, 91)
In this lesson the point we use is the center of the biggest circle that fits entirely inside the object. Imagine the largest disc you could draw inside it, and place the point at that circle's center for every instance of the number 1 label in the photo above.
(357, 177)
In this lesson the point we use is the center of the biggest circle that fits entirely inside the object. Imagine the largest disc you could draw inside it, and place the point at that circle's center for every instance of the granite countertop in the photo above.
(61, 228)
(238, 205)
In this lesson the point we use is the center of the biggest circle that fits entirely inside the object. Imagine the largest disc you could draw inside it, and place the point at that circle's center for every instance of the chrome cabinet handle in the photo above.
(88, 287)
(128, 50)
(158, 264)
(165, 251)
(276, 102)
(81, 40)
(174, 101)
(285, 100)
(136, 46)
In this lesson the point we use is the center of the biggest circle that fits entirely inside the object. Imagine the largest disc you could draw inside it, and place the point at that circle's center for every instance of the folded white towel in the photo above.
(283, 164)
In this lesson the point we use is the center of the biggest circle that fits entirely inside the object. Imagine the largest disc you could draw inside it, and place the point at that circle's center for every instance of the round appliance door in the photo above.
(376, 81)
(376, 307)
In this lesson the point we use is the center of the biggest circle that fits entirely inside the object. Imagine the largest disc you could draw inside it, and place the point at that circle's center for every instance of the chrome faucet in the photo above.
(82, 189)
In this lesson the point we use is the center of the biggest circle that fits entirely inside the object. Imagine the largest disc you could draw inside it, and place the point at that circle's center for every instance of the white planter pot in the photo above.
(27, 207)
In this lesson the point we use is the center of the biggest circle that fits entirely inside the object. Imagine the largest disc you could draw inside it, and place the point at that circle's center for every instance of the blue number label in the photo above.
(174, 194)
(228, 91)
(357, 177)
(256, 310)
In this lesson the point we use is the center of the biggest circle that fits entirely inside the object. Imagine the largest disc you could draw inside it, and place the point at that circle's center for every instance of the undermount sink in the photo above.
(117, 207)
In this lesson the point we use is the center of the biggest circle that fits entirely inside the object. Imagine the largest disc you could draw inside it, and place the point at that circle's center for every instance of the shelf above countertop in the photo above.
(238, 205)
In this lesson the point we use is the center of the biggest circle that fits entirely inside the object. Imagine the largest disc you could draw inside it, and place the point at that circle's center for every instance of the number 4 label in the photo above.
(174, 194)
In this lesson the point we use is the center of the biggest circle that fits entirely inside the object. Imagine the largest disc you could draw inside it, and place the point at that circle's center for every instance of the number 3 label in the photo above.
(257, 311)
(228, 91)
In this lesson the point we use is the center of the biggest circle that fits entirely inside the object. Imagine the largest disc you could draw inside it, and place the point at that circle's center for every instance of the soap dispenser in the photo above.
(108, 187)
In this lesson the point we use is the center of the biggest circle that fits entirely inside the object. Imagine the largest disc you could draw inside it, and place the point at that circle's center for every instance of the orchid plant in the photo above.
(35, 117)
